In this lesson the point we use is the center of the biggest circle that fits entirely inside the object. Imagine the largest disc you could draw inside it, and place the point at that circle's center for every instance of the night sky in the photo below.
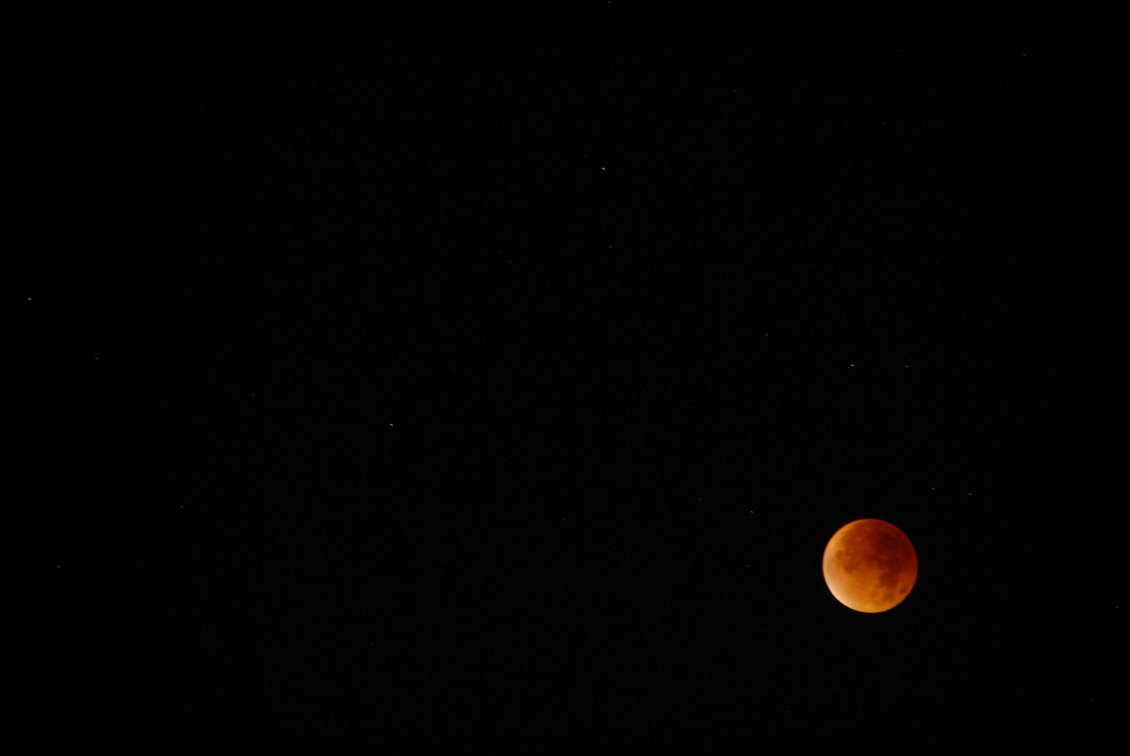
(499, 377)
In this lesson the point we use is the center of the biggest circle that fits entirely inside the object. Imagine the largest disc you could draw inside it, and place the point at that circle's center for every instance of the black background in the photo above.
(491, 377)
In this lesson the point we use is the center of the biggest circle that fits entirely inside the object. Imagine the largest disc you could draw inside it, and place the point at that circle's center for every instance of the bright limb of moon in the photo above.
(870, 566)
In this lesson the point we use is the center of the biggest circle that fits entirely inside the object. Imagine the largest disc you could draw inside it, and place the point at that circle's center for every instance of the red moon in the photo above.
(870, 566)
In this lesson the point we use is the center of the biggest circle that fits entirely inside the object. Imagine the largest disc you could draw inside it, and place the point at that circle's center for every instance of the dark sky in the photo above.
(500, 378)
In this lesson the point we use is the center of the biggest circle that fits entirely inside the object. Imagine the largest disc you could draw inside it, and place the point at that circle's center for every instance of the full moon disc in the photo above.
(870, 566)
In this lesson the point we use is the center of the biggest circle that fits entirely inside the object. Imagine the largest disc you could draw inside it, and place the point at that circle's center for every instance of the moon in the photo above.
(870, 566)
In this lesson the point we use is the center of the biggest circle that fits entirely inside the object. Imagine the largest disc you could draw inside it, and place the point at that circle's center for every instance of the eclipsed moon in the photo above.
(870, 566)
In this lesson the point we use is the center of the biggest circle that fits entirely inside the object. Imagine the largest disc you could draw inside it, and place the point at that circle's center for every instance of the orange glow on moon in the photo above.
(870, 566)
